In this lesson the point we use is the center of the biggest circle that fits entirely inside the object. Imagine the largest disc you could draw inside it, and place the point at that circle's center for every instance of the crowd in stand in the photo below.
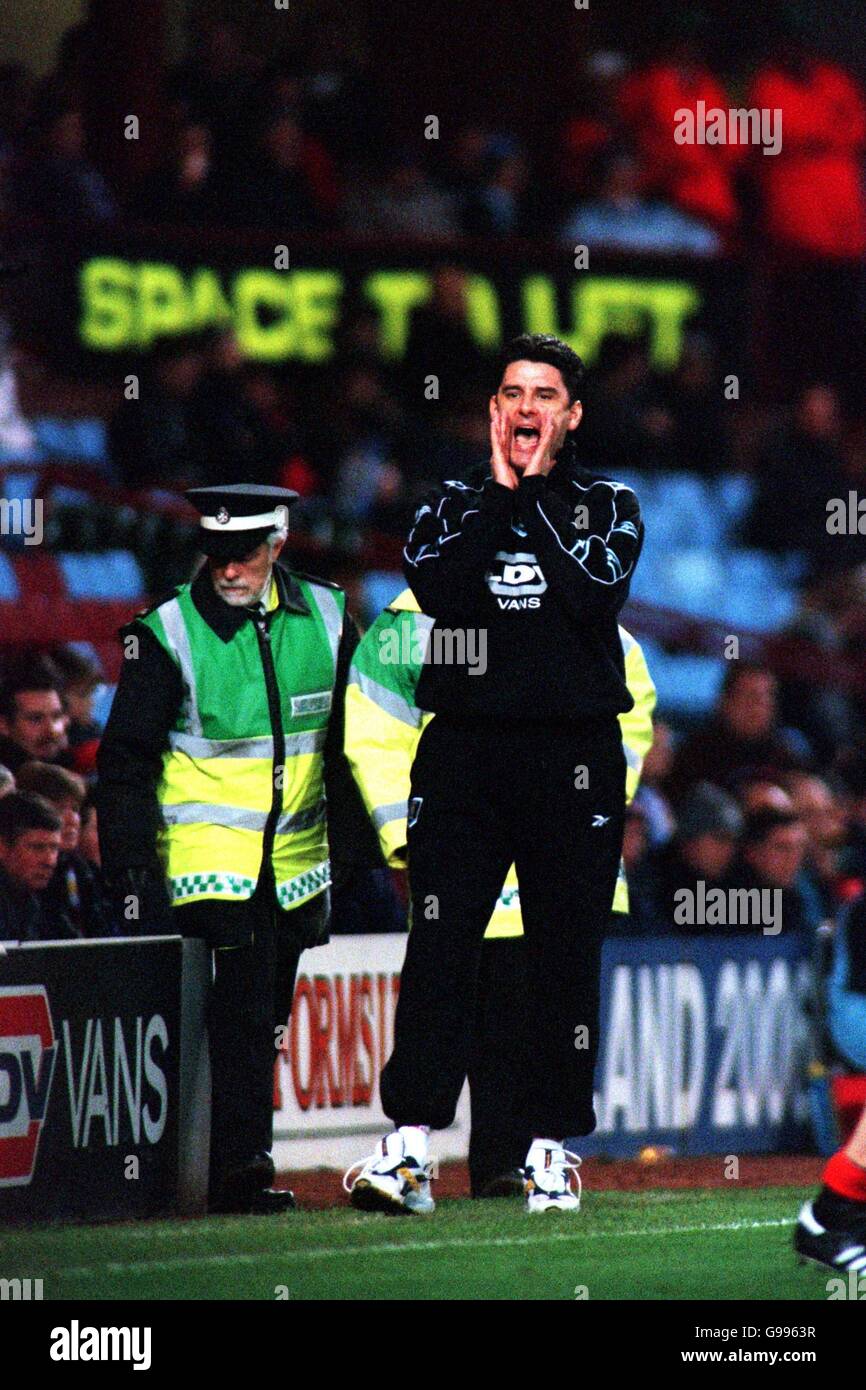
(298, 139)
(744, 801)
(51, 884)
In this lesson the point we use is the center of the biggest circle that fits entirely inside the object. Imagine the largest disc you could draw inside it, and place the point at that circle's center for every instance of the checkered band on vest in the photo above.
(294, 889)
(193, 885)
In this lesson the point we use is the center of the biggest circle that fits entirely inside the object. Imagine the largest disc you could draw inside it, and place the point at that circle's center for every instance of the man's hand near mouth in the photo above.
(500, 442)
(541, 461)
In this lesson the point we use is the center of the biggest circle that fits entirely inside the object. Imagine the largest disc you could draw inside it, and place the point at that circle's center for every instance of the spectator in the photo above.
(74, 894)
(498, 206)
(623, 219)
(441, 346)
(701, 850)
(217, 85)
(7, 781)
(798, 474)
(244, 428)
(406, 203)
(817, 807)
(88, 839)
(693, 396)
(851, 770)
(812, 190)
(33, 722)
(627, 425)
(82, 676)
(182, 192)
(29, 849)
(696, 177)
(154, 441)
(591, 127)
(846, 987)
(758, 794)
(17, 437)
(741, 737)
(771, 855)
(830, 618)
(652, 793)
(55, 181)
(284, 188)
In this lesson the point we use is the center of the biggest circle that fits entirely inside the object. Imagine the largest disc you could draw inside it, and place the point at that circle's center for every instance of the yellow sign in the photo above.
(282, 315)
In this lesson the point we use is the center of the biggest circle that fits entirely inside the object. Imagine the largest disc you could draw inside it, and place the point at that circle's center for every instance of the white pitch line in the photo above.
(327, 1252)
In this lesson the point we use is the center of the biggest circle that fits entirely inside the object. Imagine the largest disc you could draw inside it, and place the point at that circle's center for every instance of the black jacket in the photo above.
(145, 705)
(537, 575)
(26, 916)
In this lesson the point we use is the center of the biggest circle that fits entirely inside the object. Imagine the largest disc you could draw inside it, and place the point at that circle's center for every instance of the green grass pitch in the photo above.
(713, 1244)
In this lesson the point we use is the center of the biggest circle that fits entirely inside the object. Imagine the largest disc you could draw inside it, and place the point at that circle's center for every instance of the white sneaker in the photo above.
(391, 1180)
(548, 1178)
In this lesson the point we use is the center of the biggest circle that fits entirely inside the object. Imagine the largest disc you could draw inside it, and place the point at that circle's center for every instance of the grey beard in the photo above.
(238, 600)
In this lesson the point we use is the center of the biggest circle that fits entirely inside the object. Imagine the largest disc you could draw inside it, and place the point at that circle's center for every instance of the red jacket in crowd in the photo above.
(696, 178)
(812, 191)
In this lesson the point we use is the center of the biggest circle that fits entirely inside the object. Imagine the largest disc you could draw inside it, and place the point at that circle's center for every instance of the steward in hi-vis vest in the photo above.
(383, 726)
(223, 746)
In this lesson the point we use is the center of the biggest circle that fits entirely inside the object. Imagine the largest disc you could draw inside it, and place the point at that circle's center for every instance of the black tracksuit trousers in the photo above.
(551, 800)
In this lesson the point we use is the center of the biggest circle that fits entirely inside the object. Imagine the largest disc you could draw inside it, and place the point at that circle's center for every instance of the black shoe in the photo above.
(269, 1201)
(241, 1184)
(836, 1247)
(507, 1184)
(272, 1200)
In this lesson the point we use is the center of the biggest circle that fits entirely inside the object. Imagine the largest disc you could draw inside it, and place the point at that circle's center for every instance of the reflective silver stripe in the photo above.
(171, 617)
(291, 821)
(329, 611)
(383, 815)
(296, 744)
(626, 640)
(206, 813)
(631, 757)
(386, 699)
(222, 747)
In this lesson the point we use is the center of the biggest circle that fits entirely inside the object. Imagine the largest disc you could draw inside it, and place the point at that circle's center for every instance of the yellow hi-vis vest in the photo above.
(383, 726)
(227, 796)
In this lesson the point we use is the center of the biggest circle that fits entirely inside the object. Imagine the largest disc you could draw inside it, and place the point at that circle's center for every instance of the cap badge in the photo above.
(223, 516)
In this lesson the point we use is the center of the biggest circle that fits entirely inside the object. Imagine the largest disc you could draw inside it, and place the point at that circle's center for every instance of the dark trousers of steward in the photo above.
(551, 800)
(251, 996)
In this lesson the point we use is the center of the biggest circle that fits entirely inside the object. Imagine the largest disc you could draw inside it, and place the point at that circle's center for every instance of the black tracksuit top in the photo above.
(541, 570)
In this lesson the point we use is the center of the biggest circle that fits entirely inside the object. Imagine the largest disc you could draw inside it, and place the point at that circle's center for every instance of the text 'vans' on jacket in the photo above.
(384, 724)
(542, 570)
(225, 729)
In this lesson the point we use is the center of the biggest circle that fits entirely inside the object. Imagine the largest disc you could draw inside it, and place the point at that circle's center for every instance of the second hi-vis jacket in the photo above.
(383, 726)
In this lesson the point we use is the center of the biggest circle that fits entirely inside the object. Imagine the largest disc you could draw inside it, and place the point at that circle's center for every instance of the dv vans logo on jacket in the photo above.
(516, 579)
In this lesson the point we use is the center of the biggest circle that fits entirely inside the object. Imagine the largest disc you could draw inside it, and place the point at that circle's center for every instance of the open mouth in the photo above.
(527, 434)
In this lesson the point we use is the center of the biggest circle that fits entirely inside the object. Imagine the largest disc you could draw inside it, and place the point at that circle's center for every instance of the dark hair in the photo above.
(738, 669)
(40, 674)
(544, 347)
(762, 823)
(76, 667)
(23, 811)
(52, 782)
